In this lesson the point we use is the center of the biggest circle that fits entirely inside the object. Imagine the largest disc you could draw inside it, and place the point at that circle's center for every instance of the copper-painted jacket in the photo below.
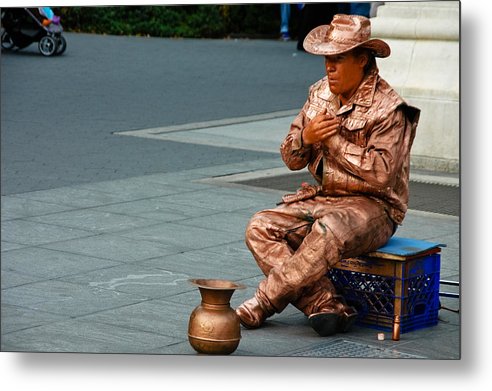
(370, 155)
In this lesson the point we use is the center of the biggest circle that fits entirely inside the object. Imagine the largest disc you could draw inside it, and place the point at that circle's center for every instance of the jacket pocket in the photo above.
(354, 130)
(313, 110)
(354, 124)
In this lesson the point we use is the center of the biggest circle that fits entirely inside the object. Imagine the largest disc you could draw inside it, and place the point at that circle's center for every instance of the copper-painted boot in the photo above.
(329, 323)
(336, 317)
(252, 314)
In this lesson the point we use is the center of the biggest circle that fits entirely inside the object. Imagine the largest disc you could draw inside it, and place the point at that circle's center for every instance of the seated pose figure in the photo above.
(354, 134)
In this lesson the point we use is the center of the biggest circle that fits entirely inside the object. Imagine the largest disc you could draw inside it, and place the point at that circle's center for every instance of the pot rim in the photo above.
(216, 283)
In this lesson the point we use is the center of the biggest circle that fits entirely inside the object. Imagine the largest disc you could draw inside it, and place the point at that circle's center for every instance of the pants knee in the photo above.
(256, 228)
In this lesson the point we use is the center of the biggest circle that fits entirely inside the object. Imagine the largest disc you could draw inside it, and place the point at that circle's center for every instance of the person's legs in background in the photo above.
(284, 21)
(313, 15)
(363, 9)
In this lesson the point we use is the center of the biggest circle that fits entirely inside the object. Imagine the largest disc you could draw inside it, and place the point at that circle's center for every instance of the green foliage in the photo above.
(191, 21)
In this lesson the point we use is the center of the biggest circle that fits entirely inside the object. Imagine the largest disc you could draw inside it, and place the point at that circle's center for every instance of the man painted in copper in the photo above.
(354, 134)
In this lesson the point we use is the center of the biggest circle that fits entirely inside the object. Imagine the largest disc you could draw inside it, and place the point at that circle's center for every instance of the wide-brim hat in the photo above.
(346, 32)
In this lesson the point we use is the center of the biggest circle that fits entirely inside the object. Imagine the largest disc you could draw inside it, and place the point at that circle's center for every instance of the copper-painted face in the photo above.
(345, 73)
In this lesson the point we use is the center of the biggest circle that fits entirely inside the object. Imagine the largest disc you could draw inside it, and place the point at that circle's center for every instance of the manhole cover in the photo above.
(344, 348)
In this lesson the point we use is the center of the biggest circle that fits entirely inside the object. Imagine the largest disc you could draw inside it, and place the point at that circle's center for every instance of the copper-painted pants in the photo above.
(296, 244)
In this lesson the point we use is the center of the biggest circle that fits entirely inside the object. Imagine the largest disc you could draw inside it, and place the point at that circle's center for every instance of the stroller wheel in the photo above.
(47, 45)
(7, 42)
(61, 45)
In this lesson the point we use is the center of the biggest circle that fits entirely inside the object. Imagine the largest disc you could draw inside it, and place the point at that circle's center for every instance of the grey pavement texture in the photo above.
(104, 267)
(100, 264)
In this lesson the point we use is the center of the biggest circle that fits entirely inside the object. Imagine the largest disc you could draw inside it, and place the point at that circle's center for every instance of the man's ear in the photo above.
(363, 60)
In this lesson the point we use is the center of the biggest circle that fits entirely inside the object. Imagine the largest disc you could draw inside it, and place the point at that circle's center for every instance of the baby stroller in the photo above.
(22, 26)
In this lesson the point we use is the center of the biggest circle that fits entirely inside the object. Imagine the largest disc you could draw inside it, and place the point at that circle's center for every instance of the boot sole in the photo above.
(324, 323)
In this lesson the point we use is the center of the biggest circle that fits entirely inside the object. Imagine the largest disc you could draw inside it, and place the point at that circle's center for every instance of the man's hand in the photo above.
(320, 128)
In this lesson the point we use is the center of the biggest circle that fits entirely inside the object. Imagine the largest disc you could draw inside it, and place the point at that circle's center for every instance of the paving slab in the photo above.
(157, 208)
(8, 246)
(204, 264)
(136, 279)
(116, 248)
(45, 264)
(95, 221)
(137, 188)
(15, 318)
(75, 197)
(11, 279)
(32, 233)
(217, 199)
(16, 207)
(64, 298)
(180, 235)
(153, 316)
(80, 336)
(233, 222)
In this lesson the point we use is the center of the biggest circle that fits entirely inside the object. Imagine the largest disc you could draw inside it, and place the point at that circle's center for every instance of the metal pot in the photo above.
(214, 327)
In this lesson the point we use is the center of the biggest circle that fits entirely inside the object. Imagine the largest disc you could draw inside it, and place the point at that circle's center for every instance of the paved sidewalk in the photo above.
(104, 267)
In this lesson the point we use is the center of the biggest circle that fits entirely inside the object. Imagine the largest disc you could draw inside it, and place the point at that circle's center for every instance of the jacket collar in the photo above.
(364, 95)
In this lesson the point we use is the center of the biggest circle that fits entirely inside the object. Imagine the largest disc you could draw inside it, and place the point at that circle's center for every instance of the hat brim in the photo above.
(315, 43)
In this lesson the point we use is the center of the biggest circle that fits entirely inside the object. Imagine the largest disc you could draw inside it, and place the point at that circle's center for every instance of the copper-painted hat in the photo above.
(346, 32)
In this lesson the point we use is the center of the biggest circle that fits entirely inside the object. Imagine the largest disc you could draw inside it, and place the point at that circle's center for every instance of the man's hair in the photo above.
(371, 58)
